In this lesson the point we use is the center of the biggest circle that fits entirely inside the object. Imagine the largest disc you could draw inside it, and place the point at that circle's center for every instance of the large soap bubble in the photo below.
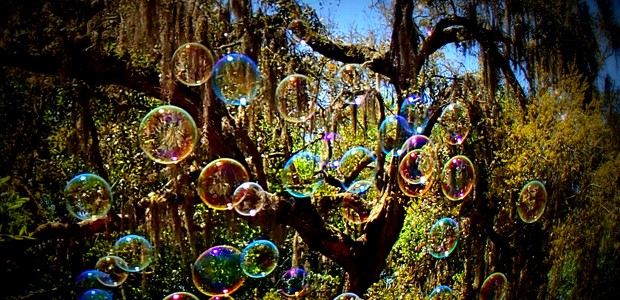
(250, 198)
(347, 296)
(88, 196)
(192, 64)
(136, 251)
(457, 177)
(167, 134)
(443, 237)
(455, 123)
(417, 166)
(532, 201)
(91, 280)
(296, 97)
(294, 282)
(358, 163)
(236, 79)
(352, 82)
(181, 296)
(359, 210)
(416, 110)
(114, 266)
(494, 287)
(97, 294)
(393, 132)
(441, 292)
(217, 271)
(218, 181)
(301, 174)
(259, 258)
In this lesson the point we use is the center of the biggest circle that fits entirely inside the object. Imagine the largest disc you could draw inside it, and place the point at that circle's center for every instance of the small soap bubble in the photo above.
(259, 258)
(443, 237)
(192, 64)
(352, 82)
(494, 287)
(217, 271)
(97, 294)
(358, 211)
(532, 201)
(91, 280)
(347, 296)
(457, 177)
(88, 196)
(441, 292)
(218, 181)
(136, 251)
(301, 174)
(294, 282)
(417, 166)
(250, 198)
(115, 267)
(416, 110)
(296, 97)
(181, 296)
(167, 134)
(358, 163)
(393, 132)
(455, 123)
(236, 79)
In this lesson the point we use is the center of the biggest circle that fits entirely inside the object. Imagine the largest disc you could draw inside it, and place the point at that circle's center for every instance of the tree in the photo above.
(107, 62)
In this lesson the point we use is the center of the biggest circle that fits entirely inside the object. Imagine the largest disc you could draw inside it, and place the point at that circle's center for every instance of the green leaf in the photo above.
(3, 180)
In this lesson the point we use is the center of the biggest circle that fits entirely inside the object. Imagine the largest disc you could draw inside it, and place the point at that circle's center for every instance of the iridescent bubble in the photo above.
(167, 134)
(416, 110)
(301, 174)
(192, 64)
(90, 280)
(393, 132)
(416, 141)
(443, 237)
(250, 198)
(296, 97)
(236, 79)
(455, 123)
(97, 294)
(358, 163)
(217, 271)
(532, 201)
(217, 183)
(417, 166)
(221, 297)
(181, 296)
(358, 210)
(294, 282)
(259, 258)
(457, 177)
(494, 287)
(114, 266)
(441, 292)
(347, 296)
(415, 189)
(352, 82)
(88, 196)
(136, 251)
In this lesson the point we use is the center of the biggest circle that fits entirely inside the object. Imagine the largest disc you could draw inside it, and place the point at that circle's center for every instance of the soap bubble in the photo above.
(250, 198)
(96, 294)
(494, 287)
(532, 201)
(88, 196)
(415, 189)
(217, 271)
(358, 163)
(441, 292)
(296, 98)
(347, 296)
(181, 296)
(294, 282)
(301, 174)
(455, 123)
(393, 132)
(218, 181)
(417, 141)
(457, 177)
(221, 297)
(167, 134)
(136, 251)
(236, 79)
(259, 258)
(443, 237)
(417, 166)
(91, 280)
(192, 64)
(416, 110)
(114, 266)
(359, 210)
(352, 82)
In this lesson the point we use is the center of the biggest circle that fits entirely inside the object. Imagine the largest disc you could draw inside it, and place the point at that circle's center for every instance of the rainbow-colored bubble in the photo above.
(358, 163)
(294, 282)
(136, 251)
(301, 174)
(97, 294)
(192, 64)
(90, 280)
(352, 81)
(114, 266)
(167, 134)
(181, 296)
(417, 166)
(347, 296)
(259, 258)
(393, 132)
(455, 123)
(441, 292)
(217, 271)
(218, 181)
(457, 177)
(416, 111)
(88, 196)
(532, 201)
(250, 198)
(494, 287)
(443, 237)
(236, 79)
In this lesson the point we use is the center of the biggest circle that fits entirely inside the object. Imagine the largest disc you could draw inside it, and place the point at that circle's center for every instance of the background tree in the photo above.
(78, 76)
